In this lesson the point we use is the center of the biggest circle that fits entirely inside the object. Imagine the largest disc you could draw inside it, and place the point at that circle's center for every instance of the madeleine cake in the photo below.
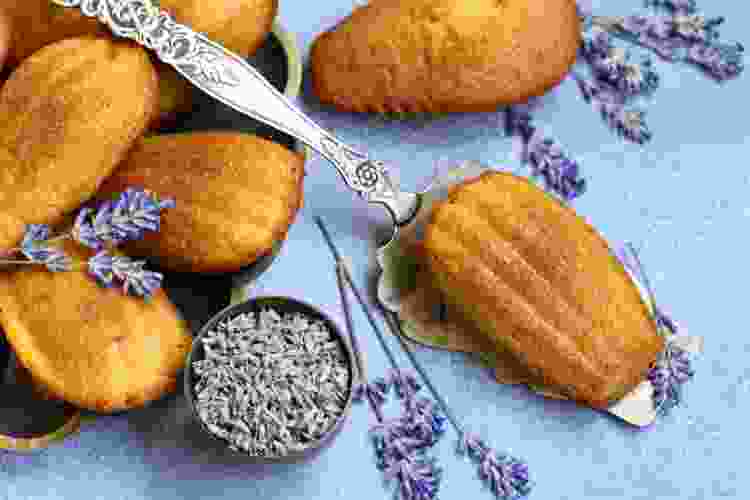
(91, 346)
(540, 282)
(237, 195)
(440, 56)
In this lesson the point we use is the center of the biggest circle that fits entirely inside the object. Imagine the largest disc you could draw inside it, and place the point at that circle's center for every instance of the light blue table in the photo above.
(684, 198)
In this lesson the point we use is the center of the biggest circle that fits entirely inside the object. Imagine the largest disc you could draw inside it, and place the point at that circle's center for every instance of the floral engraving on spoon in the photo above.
(155, 29)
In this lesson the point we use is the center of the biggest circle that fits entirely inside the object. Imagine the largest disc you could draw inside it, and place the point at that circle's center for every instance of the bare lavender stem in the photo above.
(643, 276)
(370, 319)
(349, 326)
(375, 408)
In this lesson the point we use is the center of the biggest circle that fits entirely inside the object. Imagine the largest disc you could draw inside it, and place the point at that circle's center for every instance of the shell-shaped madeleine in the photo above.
(236, 195)
(445, 55)
(92, 346)
(538, 280)
(68, 115)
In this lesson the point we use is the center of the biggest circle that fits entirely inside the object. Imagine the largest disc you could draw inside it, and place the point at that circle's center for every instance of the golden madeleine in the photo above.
(68, 115)
(236, 196)
(240, 25)
(445, 55)
(538, 280)
(91, 346)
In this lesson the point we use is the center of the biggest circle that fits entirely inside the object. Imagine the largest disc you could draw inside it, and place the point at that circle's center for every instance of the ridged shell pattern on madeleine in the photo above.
(88, 345)
(445, 55)
(236, 196)
(539, 281)
(68, 116)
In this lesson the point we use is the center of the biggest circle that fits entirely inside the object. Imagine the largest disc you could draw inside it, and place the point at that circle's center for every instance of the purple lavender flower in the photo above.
(430, 422)
(100, 267)
(376, 391)
(686, 6)
(628, 123)
(680, 36)
(613, 72)
(560, 173)
(405, 383)
(696, 28)
(652, 32)
(135, 280)
(720, 62)
(418, 477)
(671, 370)
(668, 375)
(34, 249)
(35, 233)
(666, 322)
(83, 231)
(127, 218)
(506, 476)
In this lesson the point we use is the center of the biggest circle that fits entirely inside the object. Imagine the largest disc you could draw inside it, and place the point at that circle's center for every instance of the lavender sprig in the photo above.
(401, 443)
(686, 6)
(548, 161)
(674, 32)
(673, 368)
(506, 476)
(614, 83)
(681, 34)
(132, 214)
(127, 218)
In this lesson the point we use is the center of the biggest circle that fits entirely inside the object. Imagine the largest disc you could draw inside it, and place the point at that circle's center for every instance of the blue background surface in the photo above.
(683, 199)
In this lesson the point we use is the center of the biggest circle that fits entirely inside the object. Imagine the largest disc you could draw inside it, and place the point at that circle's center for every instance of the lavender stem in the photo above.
(350, 326)
(644, 276)
(370, 319)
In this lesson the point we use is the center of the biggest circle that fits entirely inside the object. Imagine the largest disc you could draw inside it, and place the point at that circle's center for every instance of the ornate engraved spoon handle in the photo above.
(231, 80)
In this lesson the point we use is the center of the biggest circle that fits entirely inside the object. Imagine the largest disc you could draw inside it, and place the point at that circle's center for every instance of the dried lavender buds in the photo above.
(271, 384)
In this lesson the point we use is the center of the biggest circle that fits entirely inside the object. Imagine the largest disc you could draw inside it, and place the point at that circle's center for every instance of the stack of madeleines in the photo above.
(74, 112)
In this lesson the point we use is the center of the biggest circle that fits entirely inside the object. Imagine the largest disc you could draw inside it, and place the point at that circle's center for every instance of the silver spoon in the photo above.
(228, 78)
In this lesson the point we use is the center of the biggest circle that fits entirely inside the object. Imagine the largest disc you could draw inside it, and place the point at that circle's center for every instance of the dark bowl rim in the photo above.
(254, 303)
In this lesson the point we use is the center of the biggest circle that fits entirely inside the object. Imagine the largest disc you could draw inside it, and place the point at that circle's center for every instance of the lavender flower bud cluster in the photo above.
(679, 33)
(402, 443)
(129, 217)
(548, 161)
(614, 82)
(671, 370)
(506, 476)
(126, 218)
(675, 32)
